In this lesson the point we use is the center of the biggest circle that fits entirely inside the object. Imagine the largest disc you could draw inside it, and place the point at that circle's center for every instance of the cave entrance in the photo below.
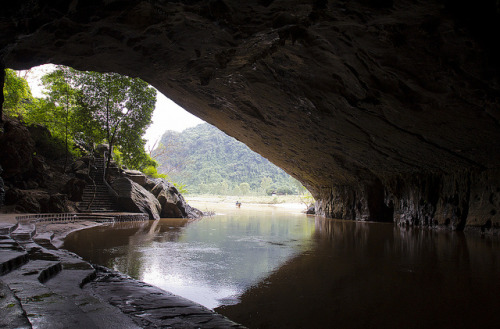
(197, 157)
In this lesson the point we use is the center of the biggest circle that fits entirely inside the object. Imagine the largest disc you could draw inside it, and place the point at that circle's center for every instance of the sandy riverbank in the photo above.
(291, 202)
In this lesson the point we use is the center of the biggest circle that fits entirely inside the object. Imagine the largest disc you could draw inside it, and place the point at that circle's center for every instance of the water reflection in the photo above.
(211, 261)
(272, 269)
(367, 275)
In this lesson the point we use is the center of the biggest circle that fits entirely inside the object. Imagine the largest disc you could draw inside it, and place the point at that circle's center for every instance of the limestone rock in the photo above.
(74, 188)
(366, 102)
(78, 165)
(172, 202)
(83, 174)
(134, 198)
(58, 203)
(136, 176)
(45, 144)
(28, 201)
(16, 149)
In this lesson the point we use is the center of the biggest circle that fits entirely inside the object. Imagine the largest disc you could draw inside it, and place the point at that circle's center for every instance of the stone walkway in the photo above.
(42, 286)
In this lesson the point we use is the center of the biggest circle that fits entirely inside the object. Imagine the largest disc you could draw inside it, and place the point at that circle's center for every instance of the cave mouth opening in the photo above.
(175, 120)
(338, 93)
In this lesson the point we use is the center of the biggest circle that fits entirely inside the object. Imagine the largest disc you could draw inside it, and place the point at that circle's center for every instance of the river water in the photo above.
(269, 267)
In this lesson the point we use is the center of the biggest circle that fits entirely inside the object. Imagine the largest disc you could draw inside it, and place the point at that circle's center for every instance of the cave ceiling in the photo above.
(334, 92)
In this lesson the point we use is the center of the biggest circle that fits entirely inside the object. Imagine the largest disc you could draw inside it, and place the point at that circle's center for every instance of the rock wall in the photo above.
(382, 109)
(466, 199)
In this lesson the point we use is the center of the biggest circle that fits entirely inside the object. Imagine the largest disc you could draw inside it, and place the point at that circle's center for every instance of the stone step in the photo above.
(97, 206)
(98, 192)
(42, 262)
(84, 211)
(93, 189)
(12, 255)
(99, 200)
(97, 195)
(7, 228)
(99, 203)
(24, 232)
(108, 200)
(98, 188)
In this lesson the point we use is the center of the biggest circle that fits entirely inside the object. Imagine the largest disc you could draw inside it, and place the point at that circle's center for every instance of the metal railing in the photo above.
(73, 217)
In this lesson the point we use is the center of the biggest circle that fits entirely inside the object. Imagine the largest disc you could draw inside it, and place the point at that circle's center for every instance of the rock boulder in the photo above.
(172, 202)
(134, 198)
(28, 201)
(136, 176)
(74, 188)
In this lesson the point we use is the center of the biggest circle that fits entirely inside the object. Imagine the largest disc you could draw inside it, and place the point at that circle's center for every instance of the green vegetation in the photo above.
(117, 109)
(208, 161)
(17, 94)
(83, 109)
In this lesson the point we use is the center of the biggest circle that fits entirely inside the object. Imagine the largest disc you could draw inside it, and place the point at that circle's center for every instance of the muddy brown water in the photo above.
(268, 267)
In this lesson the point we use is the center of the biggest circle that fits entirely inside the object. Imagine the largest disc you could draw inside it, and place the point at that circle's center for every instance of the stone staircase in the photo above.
(97, 197)
(42, 286)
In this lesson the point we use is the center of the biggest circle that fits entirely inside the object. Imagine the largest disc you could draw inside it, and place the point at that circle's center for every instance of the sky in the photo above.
(166, 116)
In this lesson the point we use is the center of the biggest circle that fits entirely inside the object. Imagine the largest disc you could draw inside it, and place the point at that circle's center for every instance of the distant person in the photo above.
(238, 204)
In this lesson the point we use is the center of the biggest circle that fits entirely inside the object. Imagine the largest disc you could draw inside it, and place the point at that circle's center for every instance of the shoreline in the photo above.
(78, 293)
(60, 230)
(284, 202)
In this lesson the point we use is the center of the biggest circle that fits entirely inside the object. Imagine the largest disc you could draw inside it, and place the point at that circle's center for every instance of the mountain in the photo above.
(207, 160)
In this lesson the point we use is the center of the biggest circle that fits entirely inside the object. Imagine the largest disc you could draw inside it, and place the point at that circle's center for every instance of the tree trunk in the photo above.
(66, 127)
(2, 82)
(108, 162)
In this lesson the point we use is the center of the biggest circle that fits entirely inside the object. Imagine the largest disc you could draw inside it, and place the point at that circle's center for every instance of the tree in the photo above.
(16, 92)
(120, 109)
(265, 183)
(244, 188)
(62, 98)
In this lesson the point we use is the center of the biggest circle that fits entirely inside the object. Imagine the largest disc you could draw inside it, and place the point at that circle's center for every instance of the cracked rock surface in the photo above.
(384, 110)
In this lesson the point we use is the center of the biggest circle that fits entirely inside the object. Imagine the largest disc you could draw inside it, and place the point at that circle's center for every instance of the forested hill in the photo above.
(207, 160)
